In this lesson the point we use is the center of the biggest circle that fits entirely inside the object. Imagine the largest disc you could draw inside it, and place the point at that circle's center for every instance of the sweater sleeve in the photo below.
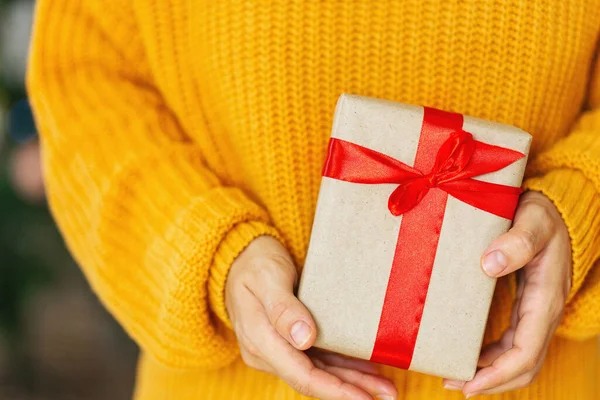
(569, 174)
(153, 229)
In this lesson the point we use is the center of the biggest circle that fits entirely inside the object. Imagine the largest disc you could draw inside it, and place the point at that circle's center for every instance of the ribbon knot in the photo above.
(432, 180)
(458, 159)
(452, 159)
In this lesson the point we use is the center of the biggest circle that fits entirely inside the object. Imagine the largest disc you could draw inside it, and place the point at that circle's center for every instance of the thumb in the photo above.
(291, 319)
(511, 251)
(274, 288)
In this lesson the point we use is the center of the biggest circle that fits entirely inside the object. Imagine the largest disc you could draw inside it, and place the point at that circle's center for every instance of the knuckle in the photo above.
(248, 346)
(280, 260)
(273, 270)
(521, 384)
(526, 241)
(531, 362)
(541, 213)
(252, 349)
(282, 265)
(238, 287)
(278, 311)
(553, 310)
(528, 379)
(302, 384)
(262, 368)
(256, 270)
(545, 216)
(302, 387)
(247, 358)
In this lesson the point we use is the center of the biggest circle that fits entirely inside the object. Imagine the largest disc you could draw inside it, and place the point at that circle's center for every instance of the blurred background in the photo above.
(56, 340)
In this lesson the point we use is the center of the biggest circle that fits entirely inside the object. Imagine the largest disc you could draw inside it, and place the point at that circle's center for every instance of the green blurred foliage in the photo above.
(42, 293)
(30, 246)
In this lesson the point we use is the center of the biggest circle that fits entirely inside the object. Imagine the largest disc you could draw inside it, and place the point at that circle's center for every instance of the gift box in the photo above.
(410, 199)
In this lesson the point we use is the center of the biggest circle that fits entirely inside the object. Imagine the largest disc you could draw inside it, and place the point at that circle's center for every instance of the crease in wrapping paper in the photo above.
(353, 244)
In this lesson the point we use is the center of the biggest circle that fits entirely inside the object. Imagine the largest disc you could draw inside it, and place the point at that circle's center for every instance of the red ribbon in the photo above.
(446, 160)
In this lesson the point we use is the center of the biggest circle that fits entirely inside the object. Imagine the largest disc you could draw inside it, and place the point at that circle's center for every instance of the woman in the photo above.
(183, 143)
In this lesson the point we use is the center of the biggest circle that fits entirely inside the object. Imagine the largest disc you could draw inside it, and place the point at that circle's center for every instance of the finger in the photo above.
(345, 362)
(452, 384)
(380, 387)
(248, 308)
(488, 354)
(529, 343)
(494, 350)
(514, 316)
(295, 368)
(520, 382)
(292, 365)
(274, 288)
(531, 230)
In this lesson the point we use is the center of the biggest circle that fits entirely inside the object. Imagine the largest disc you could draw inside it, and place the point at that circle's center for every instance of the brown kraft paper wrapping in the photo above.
(354, 237)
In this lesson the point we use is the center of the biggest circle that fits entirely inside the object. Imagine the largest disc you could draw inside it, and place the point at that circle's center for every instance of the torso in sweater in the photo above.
(265, 76)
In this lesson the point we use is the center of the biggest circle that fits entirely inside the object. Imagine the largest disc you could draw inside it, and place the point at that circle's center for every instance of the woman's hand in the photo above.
(273, 328)
(539, 249)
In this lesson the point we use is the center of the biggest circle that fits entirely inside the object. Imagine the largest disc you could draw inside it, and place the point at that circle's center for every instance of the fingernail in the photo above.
(452, 387)
(384, 397)
(494, 263)
(469, 395)
(300, 333)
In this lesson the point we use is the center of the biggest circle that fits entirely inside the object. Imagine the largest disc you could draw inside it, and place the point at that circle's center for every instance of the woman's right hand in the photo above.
(274, 328)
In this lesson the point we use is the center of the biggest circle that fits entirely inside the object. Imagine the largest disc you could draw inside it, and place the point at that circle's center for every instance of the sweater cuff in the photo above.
(236, 240)
(574, 196)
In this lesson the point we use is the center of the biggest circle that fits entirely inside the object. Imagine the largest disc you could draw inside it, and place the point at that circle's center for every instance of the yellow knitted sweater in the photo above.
(175, 131)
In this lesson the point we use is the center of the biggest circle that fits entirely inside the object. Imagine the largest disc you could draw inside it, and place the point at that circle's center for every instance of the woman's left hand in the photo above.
(539, 249)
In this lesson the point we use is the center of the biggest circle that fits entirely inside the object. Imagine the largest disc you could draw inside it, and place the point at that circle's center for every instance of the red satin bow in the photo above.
(458, 159)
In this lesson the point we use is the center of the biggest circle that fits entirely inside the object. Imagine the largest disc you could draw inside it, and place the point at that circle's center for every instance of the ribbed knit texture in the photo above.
(175, 131)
